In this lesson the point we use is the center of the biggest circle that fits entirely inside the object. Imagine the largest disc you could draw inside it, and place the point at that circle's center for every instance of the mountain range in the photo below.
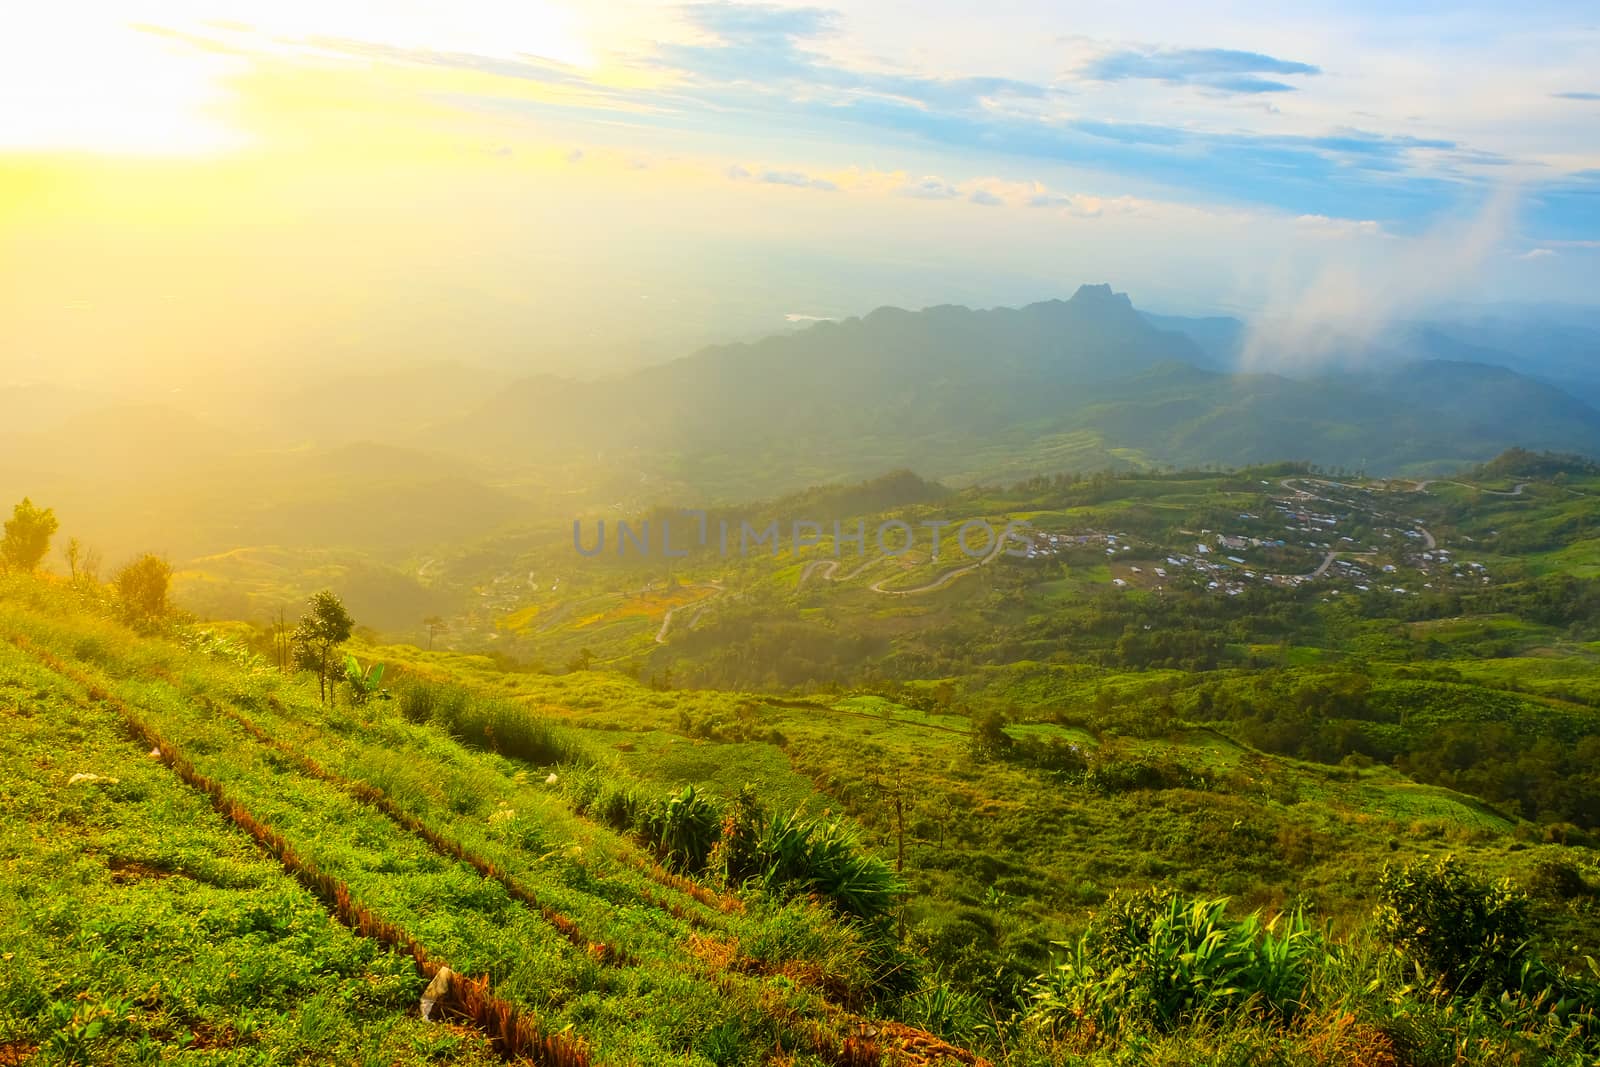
(969, 395)
(434, 454)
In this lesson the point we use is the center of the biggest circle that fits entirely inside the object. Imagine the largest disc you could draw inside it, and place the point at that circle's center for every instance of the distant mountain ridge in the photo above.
(424, 456)
(962, 395)
(1564, 352)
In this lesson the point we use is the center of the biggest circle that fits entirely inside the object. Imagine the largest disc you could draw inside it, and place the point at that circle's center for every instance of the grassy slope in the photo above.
(616, 952)
(1008, 856)
(141, 924)
(635, 967)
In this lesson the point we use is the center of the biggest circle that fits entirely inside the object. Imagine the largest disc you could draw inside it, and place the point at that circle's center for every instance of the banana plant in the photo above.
(364, 685)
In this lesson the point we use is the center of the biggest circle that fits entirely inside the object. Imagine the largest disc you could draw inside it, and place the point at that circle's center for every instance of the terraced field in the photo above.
(249, 876)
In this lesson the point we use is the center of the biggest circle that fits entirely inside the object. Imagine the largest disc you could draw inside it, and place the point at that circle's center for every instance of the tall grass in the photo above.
(781, 855)
(501, 726)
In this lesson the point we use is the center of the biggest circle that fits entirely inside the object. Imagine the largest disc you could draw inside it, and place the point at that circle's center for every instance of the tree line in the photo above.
(141, 587)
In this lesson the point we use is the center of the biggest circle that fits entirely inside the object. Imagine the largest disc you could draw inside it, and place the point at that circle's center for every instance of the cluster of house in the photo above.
(1219, 559)
(1302, 520)
(1041, 544)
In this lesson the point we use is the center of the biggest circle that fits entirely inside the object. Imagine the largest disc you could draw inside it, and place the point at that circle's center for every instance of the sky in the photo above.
(272, 189)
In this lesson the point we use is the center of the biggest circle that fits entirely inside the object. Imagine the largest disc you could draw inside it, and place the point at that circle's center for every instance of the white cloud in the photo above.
(1358, 288)
(770, 176)
(929, 187)
(1324, 226)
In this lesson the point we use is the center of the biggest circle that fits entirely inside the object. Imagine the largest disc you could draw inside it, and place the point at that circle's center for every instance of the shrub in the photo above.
(1469, 935)
(796, 854)
(683, 829)
(142, 587)
(1558, 879)
(738, 855)
(941, 1008)
(364, 684)
(1160, 960)
(1124, 775)
(593, 792)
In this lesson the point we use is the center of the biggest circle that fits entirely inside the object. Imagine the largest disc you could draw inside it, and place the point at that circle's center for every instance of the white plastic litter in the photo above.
(437, 990)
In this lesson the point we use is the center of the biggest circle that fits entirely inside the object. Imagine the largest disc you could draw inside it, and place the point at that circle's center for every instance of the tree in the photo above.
(282, 641)
(142, 587)
(74, 553)
(989, 739)
(435, 626)
(318, 636)
(28, 534)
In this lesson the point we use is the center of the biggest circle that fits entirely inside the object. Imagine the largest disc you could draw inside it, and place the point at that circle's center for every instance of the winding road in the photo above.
(666, 620)
(827, 570)
(1516, 490)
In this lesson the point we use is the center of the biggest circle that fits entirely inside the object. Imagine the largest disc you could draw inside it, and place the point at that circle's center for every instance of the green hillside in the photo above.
(214, 866)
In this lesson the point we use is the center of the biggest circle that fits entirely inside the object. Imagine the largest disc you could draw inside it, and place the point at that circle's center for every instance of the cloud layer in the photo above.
(1218, 69)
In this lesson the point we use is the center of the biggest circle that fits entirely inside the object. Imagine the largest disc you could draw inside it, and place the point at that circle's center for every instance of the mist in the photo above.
(1359, 290)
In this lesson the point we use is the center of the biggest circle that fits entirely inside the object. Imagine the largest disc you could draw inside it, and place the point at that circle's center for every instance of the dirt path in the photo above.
(702, 603)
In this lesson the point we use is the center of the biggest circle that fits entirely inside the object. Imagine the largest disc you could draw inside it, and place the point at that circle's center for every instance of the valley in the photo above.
(1265, 688)
(761, 534)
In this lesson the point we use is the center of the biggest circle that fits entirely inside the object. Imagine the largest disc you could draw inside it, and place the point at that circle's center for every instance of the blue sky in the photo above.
(1392, 114)
(822, 159)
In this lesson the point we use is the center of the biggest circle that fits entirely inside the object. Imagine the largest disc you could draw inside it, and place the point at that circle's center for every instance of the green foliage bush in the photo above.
(1469, 935)
(1111, 772)
(1160, 960)
(683, 829)
(791, 854)
(603, 795)
(364, 684)
(822, 856)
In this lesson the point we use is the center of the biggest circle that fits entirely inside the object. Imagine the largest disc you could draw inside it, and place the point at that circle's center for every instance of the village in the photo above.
(1349, 548)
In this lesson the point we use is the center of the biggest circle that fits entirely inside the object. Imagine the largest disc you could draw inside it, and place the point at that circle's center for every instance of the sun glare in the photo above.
(158, 78)
(74, 84)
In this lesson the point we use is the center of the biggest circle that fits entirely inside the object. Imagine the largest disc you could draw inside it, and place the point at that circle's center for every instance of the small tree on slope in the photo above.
(27, 538)
(318, 636)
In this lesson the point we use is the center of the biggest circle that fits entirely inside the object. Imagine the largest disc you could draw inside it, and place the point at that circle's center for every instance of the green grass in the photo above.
(143, 927)
(1021, 738)
(653, 1000)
